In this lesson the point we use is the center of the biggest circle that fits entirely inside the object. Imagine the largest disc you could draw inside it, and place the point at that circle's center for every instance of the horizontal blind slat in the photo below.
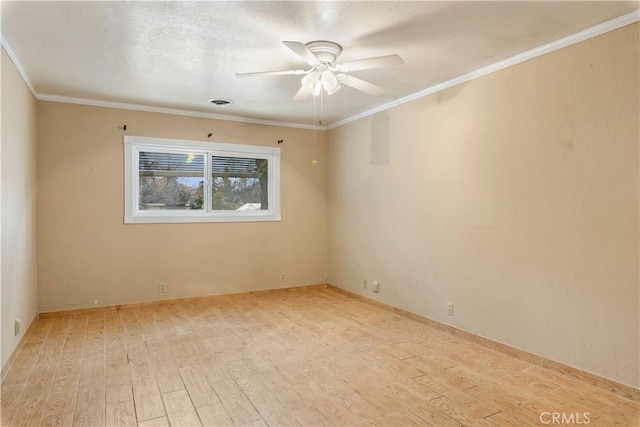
(176, 163)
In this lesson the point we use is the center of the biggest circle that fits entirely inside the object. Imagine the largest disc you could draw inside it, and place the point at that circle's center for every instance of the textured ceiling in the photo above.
(177, 55)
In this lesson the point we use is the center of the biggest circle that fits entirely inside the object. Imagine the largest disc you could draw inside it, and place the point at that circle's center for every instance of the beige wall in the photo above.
(18, 181)
(514, 196)
(87, 253)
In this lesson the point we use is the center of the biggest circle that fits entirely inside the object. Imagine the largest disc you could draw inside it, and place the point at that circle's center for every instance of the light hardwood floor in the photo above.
(305, 357)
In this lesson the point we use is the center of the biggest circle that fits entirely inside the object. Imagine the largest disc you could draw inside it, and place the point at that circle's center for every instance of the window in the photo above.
(169, 180)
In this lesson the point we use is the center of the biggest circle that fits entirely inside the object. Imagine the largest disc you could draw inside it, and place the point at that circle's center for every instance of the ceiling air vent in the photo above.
(220, 102)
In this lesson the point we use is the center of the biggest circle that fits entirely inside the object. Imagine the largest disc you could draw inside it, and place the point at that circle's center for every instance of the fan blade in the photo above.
(302, 94)
(301, 50)
(367, 63)
(273, 73)
(360, 84)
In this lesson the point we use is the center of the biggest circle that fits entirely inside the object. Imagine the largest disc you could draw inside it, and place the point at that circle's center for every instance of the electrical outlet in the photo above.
(282, 278)
(450, 308)
(364, 284)
(162, 287)
(17, 327)
(376, 286)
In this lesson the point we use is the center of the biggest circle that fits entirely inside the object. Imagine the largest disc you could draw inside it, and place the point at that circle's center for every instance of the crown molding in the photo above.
(12, 56)
(589, 33)
(174, 111)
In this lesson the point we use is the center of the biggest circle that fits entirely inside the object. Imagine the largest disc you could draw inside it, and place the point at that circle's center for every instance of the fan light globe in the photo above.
(317, 89)
(330, 82)
(310, 81)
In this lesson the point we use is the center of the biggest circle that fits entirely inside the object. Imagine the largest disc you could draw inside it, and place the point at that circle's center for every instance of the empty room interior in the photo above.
(320, 213)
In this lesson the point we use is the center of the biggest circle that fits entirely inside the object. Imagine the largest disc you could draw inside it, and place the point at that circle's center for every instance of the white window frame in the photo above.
(133, 145)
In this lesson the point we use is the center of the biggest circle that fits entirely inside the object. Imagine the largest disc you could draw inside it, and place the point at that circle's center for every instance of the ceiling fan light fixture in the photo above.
(334, 90)
(317, 88)
(330, 82)
(322, 58)
(310, 81)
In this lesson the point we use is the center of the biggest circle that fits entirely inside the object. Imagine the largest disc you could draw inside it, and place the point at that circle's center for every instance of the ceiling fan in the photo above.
(327, 74)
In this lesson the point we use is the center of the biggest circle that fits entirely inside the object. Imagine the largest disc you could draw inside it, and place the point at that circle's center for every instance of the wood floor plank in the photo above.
(264, 399)
(433, 415)
(357, 405)
(70, 362)
(122, 392)
(526, 380)
(235, 402)
(289, 397)
(458, 412)
(30, 409)
(61, 400)
(20, 369)
(180, 409)
(9, 399)
(198, 387)
(478, 408)
(309, 417)
(257, 423)
(627, 419)
(156, 422)
(498, 394)
(502, 419)
(121, 414)
(168, 375)
(591, 395)
(584, 403)
(92, 370)
(335, 412)
(28, 413)
(397, 365)
(90, 406)
(68, 420)
(147, 398)
(419, 390)
(463, 378)
(238, 368)
(214, 415)
(375, 396)
(520, 413)
(290, 374)
(213, 370)
(400, 417)
(140, 363)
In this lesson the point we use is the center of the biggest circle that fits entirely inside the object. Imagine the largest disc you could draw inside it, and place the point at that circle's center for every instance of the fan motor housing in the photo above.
(327, 52)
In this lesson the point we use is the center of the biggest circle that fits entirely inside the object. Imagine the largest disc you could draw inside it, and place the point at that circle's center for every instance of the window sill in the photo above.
(172, 219)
